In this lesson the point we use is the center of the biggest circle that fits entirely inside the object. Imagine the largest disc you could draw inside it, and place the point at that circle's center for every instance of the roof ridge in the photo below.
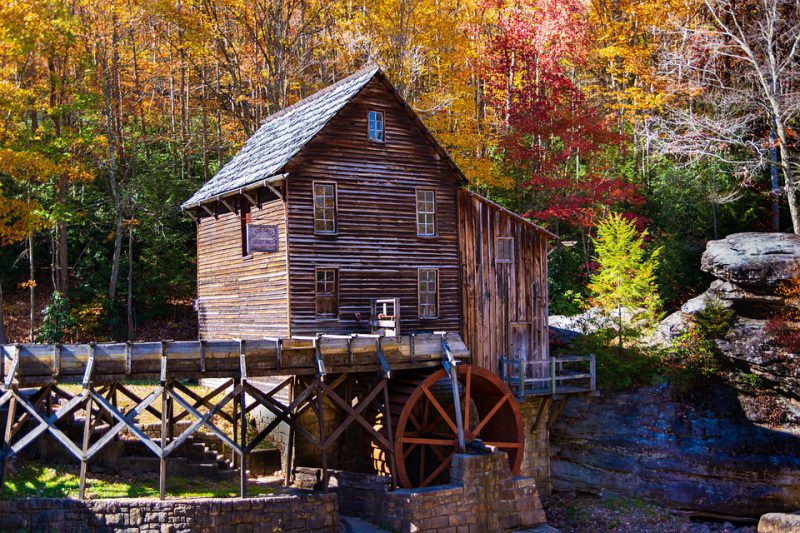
(320, 93)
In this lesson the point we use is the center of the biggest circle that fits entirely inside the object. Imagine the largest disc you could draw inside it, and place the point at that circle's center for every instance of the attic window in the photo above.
(376, 126)
(505, 250)
(324, 208)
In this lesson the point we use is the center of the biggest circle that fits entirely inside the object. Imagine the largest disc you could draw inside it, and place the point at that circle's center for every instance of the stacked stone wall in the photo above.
(482, 496)
(536, 461)
(312, 512)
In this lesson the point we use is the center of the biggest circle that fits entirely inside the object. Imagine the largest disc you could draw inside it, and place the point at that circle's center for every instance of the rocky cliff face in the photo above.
(644, 444)
(724, 454)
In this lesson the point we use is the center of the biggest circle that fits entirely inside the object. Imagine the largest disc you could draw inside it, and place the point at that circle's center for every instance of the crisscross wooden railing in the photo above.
(348, 373)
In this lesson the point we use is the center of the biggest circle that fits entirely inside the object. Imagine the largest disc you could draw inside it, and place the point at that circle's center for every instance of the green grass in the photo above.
(62, 481)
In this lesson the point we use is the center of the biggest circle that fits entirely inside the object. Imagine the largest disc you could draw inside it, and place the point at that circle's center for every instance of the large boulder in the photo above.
(755, 261)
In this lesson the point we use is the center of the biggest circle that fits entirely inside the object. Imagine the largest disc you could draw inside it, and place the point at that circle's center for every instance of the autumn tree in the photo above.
(625, 277)
(743, 69)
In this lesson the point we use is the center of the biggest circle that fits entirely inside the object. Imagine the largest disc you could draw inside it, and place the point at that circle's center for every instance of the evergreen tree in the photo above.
(626, 274)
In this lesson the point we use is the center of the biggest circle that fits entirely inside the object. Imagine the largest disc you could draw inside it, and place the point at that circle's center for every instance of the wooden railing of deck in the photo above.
(550, 377)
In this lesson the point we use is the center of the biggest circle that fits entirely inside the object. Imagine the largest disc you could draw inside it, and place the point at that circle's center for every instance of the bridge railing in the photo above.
(550, 377)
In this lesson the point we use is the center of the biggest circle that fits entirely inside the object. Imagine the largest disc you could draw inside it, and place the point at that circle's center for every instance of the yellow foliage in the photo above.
(627, 37)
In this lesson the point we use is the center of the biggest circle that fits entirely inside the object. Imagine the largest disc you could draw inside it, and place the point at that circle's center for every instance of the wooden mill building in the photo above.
(345, 198)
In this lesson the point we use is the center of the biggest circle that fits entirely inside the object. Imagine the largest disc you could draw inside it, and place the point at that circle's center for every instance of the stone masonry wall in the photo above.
(296, 512)
(482, 497)
(536, 462)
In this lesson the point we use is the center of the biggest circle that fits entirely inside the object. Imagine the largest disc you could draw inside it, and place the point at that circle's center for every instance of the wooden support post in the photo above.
(287, 477)
(87, 434)
(235, 415)
(593, 372)
(87, 423)
(321, 420)
(553, 383)
(243, 419)
(10, 415)
(387, 415)
(162, 471)
(243, 425)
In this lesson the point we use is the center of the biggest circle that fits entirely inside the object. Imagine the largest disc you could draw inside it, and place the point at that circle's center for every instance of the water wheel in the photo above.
(424, 422)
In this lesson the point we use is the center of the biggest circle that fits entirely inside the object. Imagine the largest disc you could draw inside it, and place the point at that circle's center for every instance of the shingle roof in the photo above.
(281, 137)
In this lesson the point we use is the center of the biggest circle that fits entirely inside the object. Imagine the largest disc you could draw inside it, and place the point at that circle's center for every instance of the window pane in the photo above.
(426, 212)
(327, 300)
(324, 207)
(428, 298)
(376, 126)
(505, 250)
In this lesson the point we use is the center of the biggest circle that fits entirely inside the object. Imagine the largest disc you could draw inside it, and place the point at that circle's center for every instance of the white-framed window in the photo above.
(505, 250)
(428, 292)
(426, 212)
(324, 207)
(327, 292)
(375, 119)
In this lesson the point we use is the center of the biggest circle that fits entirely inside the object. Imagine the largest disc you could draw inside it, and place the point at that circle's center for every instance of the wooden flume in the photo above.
(349, 373)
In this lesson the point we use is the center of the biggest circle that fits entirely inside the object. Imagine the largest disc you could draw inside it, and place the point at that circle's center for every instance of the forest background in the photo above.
(680, 115)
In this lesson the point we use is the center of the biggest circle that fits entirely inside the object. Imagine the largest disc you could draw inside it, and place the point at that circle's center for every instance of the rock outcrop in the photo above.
(644, 444)
(755, 261)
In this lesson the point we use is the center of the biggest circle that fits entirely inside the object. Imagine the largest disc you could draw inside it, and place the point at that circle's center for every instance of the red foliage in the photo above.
(530, 69)
(785, 335)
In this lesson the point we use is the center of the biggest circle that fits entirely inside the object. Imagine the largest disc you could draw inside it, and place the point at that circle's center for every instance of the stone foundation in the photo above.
(482, 497)
(296, 512)
(536, 461)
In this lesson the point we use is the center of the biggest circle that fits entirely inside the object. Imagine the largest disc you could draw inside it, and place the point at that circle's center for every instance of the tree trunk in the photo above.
(2, 322)
(788, 177)
(31, 285)
(63, 246)
(130, 283)
(112, 178)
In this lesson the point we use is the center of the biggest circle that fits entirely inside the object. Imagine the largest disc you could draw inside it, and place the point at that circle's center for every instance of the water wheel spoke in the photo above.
(429, 441)
(408, 450)
(493, 412)
(433, 475)
(505, 444)
(439, 408)
(414, 421)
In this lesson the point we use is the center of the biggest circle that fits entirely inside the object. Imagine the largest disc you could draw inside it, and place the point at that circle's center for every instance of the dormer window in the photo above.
(376, 126)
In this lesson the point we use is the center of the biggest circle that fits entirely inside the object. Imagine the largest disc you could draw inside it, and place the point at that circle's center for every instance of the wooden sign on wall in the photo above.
(262, 238)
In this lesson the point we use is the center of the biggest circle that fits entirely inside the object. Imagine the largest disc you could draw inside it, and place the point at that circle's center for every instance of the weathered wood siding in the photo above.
(376, 249)
(241, 297)
(505, 304)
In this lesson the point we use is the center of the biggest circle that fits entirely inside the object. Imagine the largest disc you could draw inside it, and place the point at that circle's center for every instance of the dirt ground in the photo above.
(591, 514)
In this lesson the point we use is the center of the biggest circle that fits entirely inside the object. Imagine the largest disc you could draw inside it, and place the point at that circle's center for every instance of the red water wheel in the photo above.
(425, 427)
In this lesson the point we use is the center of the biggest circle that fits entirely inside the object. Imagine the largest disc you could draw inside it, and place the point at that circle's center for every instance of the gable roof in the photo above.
(286, 132)
(281, 137)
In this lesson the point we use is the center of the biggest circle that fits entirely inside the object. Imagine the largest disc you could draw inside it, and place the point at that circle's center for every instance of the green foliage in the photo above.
(620, 369)
(715, 320)
(626, 274)
(697, 362)
(625, 277)
(58, 324)
(753, 382)
(567, 281)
